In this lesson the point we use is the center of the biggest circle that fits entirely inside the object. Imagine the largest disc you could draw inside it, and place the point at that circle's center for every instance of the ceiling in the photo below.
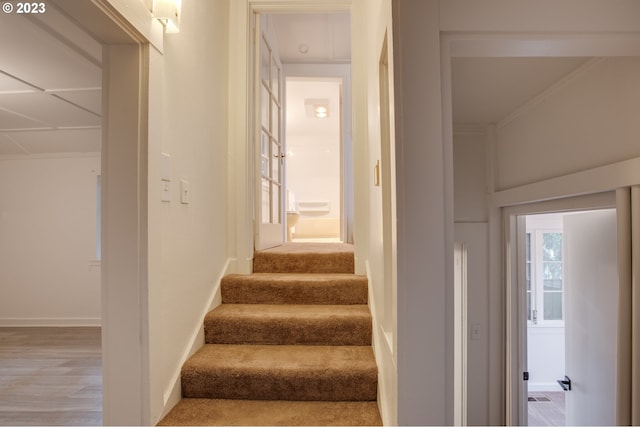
(50, 86)
(484, 90)
(326, 36)
(50, 78)
(487, 90)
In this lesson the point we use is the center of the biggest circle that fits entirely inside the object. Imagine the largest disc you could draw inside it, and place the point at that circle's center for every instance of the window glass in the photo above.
(552, 246)
(552, 306)
(552, 276)
(544, 276)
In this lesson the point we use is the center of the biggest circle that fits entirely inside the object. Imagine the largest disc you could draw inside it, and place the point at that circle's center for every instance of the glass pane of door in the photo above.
(268, 147)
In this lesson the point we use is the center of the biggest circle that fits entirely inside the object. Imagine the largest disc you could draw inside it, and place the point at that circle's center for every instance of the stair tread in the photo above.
(281, 372)
(269, 412)
(282, 358)
(305, 258)
(293, 248)
(289, 324)
(291, 288)
(288, 311)
(298, 277)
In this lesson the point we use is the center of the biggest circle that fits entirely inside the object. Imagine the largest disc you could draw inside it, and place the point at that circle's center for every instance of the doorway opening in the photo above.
(567, 288)
(313, 159)
(304, 171)
(545, 319)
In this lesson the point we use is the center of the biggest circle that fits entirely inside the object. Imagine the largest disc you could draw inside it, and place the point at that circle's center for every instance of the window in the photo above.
(544, 277)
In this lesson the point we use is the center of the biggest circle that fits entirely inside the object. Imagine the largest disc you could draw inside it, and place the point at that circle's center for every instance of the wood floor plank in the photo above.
(549, 411)
(50, 376)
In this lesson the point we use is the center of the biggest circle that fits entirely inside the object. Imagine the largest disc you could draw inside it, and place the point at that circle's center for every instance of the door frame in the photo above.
(127, 39)
(240, 209)
(515, 293)
(482, 43)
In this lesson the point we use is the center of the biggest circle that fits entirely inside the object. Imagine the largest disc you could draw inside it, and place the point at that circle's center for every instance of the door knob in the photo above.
(565, 384)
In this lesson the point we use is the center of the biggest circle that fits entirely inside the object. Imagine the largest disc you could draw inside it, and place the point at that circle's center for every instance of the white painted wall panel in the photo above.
(47, 240)
(425, 301)
(545, 357)
(187, 242)
(546, 15)
(470, 177)
(591, 121)
(475, 238)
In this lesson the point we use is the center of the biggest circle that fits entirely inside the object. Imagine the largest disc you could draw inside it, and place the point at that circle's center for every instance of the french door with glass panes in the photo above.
(545, 287)
(268, 134)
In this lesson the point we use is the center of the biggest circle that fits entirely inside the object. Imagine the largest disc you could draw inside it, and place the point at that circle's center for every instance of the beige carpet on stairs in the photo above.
(290, 345)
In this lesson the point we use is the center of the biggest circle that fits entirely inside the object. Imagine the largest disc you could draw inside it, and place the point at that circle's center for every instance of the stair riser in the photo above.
(242, 331)
(209, 412)
(303, 263)
(284, 293)
(245, 385)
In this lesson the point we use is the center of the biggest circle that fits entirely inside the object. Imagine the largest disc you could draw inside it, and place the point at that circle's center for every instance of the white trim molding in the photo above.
(52, 322)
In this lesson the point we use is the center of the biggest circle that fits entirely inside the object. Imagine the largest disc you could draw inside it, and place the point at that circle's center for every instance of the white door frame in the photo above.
(241, 199)
(515, 294)
(125, 330)
(603, 179)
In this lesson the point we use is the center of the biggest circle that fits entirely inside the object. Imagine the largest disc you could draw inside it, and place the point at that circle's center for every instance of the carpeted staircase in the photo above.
(290, 345)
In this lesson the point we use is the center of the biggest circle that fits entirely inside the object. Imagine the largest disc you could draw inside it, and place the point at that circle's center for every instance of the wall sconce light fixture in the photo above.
(168, 13)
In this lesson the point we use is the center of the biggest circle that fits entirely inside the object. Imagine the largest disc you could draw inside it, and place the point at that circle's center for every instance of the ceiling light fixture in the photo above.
(321, 112)
(317, 108)
(303, 49)
(168, 13)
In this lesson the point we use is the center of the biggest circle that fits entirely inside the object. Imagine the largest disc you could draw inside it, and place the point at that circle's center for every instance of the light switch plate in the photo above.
(166, 191)
(185, 191)
(165, 167)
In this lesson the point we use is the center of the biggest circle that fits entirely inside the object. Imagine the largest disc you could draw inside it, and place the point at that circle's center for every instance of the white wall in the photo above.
(48, 219)
(590, 121)
(370, 20)
(471, 229)
(187, 242)
(424, 168)
(545, 357)
(470, 177)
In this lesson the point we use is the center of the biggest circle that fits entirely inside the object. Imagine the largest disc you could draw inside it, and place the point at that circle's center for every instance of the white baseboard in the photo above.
(173, 392)
(60, 322)
(383, 352)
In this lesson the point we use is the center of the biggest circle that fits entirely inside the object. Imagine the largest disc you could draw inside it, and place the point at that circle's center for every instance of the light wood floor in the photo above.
(547, 409)
(50, 376)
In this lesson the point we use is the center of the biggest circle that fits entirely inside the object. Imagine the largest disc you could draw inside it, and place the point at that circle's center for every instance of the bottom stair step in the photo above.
(281, 372)
(215, 412)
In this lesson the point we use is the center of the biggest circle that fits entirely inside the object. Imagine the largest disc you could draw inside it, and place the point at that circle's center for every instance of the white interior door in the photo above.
(268, 139)
(591, 282)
